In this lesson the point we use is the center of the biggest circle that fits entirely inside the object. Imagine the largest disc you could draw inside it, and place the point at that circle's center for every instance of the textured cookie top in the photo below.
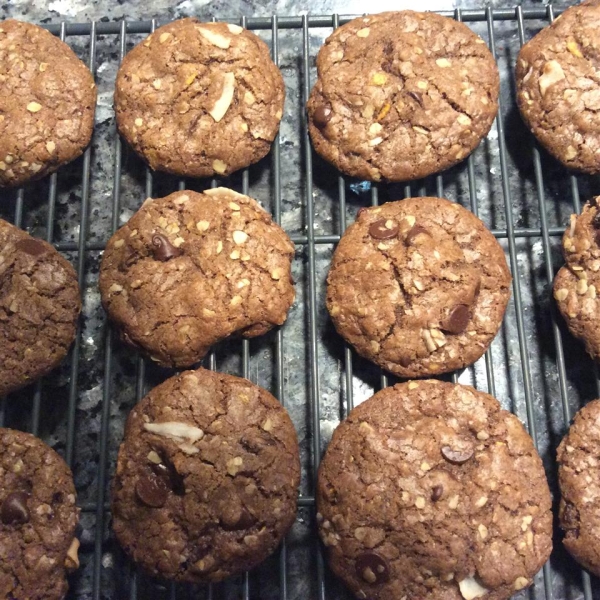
(579, 477)
(38, 517)
(576, 284)
(431, 490)
(207, 477)
(199, 99)
(401, 95)
(39, 308)
(558, 91)
(418, 286)
(191, 269)
(47, 103)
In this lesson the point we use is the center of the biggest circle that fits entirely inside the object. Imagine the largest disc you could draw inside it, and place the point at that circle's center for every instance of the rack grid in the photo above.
(533, 221)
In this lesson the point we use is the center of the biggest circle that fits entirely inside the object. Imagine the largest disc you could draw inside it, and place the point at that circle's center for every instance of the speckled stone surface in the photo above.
(104, 393)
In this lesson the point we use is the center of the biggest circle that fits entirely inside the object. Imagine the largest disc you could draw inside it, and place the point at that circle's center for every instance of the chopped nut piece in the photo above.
(249, 98)
(50, 146)
(153, 457)
(216, 39)
(470, 589)
(481, 502)
(234, 465)
(72, 560)
(34, 107)
(581, 287)
(175, 430)
(138, 122)
(573, 48)
(420, 502)
(561, 294)
(235, 254)
(235, 29)
(464, 120)
(224, 102)
(570, 153)
(375, 128)
(219, 247)
(240, 237)
(453, 502)
(115, 287)
(219, 166)
(277, 274)
(413, 385)
(521, 582)
(364, 32)
(164, 37)
(443, 63)
(483, 531)
(552, 73)
(202, 225)
(379, 79)
(236, 301)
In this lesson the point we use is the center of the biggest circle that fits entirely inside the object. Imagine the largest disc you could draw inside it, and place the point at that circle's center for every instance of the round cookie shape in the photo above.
(191, 269)
(38, 517)
(418, 286)
(558, 92)
(580, 498)
(47, 103)
(431, 490)
(199, 99)
(39, 307)
(577, 282)
(206, 479)
(401, 95)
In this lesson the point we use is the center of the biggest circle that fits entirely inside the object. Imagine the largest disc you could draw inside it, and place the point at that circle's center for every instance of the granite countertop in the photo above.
(536, 393)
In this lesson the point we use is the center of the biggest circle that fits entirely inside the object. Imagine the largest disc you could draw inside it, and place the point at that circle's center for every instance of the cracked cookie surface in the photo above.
(39, 307)
(47, 103)
(578, 475)
(38, 517)
(191, 269)
(577, 283)
(207, 477)
(199, 99)
(418, 286)
(401, 95)
(431, 490)
(558, 91)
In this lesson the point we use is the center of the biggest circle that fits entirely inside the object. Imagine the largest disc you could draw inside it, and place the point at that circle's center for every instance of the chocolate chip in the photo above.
(596, 220)
(31, 246)
(417, 97)
(163, 249)
(383, 229)
(14, 509)
(167, 472)
(457, 319)
(151, 490)
(322, 116)
(372, 567)
(415, 231)
(459, 453)
(437, 491)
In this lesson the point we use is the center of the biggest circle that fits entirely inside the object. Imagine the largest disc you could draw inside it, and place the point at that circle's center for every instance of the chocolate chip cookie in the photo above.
(578, 474)
(431, 490)
(47, 103)
(418, 286)
(191, 269)
(558, 90)
(39, 307)
(38, 517)
(199, 99)
(577, 282)
(207, 477)
(401, 95)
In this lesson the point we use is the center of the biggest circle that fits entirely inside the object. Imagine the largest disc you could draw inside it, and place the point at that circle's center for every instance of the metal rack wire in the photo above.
(309, 243)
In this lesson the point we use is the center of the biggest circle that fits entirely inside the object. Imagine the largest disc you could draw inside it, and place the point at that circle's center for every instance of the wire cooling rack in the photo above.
(533, 367)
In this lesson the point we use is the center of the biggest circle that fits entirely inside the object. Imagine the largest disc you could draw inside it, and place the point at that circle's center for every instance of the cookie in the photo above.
(576, 283)
(39, 308)
(207, 478)
(578, 473)
(38, 517)
(401, 95)
(191, 269)
(47, 103)
(418, 286)
(558, 92)
(431, 490)
(199, 99)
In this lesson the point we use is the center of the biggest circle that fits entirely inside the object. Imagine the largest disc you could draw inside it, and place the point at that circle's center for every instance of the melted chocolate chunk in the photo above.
(14, 509)
(31, 246)
(151, 490)
(322, 116)
(372, 567)
(457, 319)
(437, 491)
(459, 453)
(383, 229)
(163, 249)
(414, 232)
